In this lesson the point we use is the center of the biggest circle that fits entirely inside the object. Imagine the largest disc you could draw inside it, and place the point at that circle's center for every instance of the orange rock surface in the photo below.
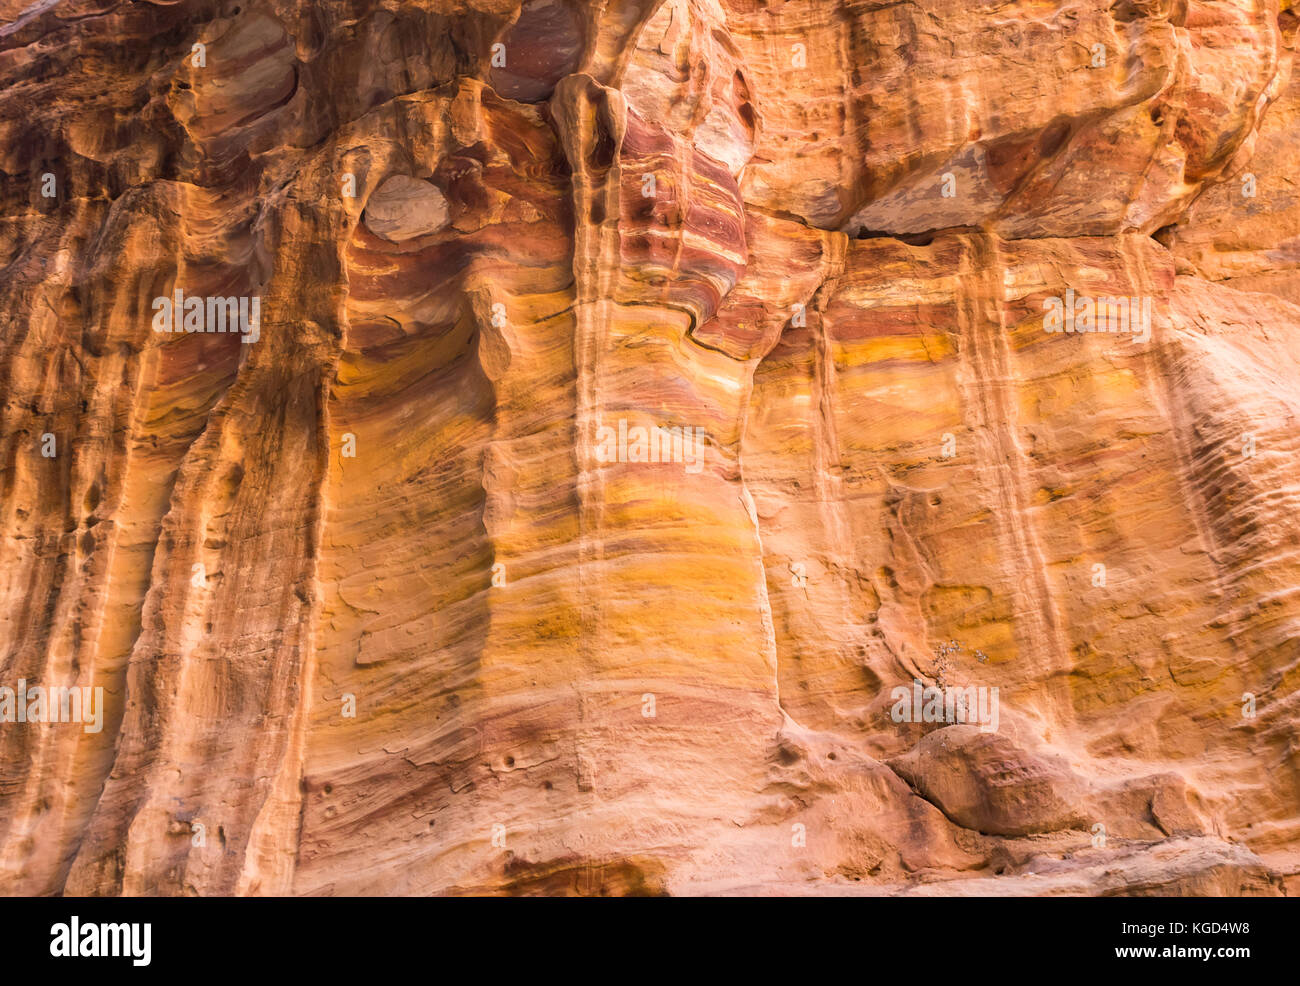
(645, 401)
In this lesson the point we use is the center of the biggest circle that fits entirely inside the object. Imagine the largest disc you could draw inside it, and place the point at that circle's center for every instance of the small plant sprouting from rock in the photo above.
(943, 660)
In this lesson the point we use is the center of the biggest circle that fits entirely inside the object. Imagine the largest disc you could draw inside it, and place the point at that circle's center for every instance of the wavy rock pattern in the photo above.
(373, 608)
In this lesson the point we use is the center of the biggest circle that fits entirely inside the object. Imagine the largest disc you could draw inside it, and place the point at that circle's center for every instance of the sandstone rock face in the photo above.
(649, 419)
(404, 208)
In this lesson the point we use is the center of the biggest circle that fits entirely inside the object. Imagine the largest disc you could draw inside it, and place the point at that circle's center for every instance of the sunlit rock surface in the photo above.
(400, 597)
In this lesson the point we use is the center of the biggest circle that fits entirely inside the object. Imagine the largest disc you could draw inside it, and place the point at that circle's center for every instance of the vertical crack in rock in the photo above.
(990, 378)
(592, 121)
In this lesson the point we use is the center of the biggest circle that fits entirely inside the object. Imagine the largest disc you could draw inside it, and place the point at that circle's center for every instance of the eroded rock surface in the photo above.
(394, 600)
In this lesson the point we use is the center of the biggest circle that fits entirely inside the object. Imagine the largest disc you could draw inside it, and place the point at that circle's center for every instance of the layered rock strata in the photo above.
(643, 401)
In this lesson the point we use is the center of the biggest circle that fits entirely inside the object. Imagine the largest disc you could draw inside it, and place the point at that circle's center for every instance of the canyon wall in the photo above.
(648, 408)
